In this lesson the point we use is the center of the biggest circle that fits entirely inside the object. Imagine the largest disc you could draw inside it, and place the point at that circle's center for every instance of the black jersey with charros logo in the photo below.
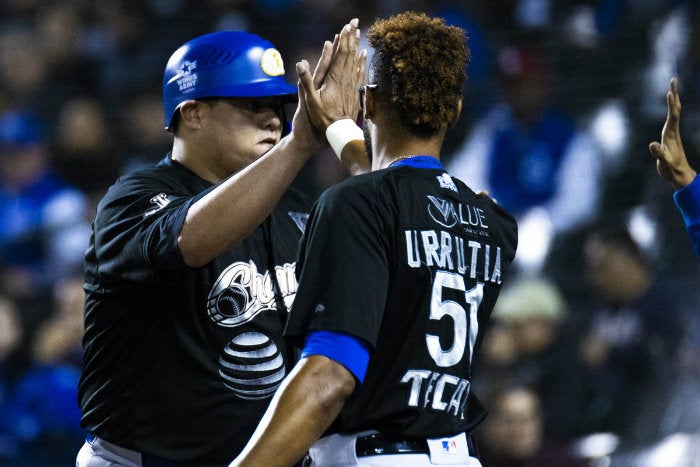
(411, 261)
(181, 362)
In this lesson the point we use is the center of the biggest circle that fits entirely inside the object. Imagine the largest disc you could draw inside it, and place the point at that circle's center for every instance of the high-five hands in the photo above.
(331, 93)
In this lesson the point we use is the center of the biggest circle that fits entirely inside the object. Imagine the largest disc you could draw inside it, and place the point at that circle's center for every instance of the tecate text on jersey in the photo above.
(440, 391)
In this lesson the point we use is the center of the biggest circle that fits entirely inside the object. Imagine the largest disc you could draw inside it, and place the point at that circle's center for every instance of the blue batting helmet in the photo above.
(223, 64)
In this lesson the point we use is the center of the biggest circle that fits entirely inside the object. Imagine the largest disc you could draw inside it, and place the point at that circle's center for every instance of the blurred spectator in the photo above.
(44, 232)
(83, 153)
(608, 39)
(479, 91)
(530, 342)
(141, 130)
(513, 433)
(127, 50)
(58, 339)
(526, 324)
(630, 343)
(61, 31)
(682, 414)
(21, 85)
(535, 309)
(27, 75)
(674, 406)
(530, 157)
(44, 413)
(11, 338)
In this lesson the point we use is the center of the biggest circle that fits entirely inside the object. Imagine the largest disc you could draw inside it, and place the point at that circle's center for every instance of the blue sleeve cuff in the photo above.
(349, 351)
(688, 201)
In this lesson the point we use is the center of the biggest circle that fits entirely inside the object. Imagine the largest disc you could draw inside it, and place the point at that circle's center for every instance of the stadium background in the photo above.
(80, 83)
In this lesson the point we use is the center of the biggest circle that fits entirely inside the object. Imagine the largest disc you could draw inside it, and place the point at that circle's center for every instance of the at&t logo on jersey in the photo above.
(252, 366)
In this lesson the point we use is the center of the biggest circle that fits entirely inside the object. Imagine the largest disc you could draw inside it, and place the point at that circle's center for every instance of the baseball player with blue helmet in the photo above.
(190, 269)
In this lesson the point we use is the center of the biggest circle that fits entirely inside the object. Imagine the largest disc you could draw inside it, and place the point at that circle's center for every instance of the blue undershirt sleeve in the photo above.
(351, 352)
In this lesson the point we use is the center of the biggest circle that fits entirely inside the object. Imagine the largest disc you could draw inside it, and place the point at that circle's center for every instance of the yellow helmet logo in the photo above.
(271, 63)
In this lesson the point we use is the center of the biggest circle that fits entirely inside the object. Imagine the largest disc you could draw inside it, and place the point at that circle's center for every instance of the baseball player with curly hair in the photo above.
(190, 269)
(399, 270)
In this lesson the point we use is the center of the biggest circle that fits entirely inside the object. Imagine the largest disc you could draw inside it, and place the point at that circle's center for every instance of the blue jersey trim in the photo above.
(349, 351)
(419, 162)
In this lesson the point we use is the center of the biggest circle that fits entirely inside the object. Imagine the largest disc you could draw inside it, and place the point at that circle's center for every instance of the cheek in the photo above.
(235, 137)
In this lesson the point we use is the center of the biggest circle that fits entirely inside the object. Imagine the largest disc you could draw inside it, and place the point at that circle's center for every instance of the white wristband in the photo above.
(341, 132)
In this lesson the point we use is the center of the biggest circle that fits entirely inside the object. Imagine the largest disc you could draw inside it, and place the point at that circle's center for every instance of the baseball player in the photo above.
(191, 266)
(673, 166)
(399, 271)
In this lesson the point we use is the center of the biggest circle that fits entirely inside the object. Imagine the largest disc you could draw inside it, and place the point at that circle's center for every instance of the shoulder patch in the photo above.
(160, 200)
(446, 182)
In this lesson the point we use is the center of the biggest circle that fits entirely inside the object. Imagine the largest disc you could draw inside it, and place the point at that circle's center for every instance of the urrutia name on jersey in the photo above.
(453, 253)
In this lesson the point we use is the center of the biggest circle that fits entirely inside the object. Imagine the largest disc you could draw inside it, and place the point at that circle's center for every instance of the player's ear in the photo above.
(191, 114)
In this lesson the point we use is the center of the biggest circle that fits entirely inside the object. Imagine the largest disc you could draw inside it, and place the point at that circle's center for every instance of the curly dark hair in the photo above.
(419, 65)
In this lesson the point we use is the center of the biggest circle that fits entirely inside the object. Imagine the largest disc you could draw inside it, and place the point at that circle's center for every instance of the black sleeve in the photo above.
(136, 230)
(342, 268)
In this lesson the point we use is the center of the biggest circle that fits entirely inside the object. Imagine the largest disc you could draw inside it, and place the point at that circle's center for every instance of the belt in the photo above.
(377, 444)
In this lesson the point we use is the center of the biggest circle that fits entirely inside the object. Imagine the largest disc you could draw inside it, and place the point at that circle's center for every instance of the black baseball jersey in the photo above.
(411, 261)
(181, 362)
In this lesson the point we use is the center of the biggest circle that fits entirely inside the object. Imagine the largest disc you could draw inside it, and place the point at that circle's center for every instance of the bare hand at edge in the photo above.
(671, 162)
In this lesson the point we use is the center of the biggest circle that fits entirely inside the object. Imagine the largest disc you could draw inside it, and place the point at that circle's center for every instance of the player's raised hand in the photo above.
(301, 123)
(671, 162)
(331, 93)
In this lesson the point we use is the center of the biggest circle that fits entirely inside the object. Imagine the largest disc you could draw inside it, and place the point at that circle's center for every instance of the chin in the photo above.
(263, 148)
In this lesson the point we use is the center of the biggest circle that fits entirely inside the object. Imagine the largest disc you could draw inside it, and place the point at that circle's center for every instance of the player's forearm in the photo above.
(303, 408)
(239, 204)
(354, 157)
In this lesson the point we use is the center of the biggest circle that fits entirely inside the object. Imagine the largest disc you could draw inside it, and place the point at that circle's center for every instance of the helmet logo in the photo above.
(271, 63)
(187, 78)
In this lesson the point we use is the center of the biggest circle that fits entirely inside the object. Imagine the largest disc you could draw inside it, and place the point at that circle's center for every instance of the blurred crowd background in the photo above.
(593, 358)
